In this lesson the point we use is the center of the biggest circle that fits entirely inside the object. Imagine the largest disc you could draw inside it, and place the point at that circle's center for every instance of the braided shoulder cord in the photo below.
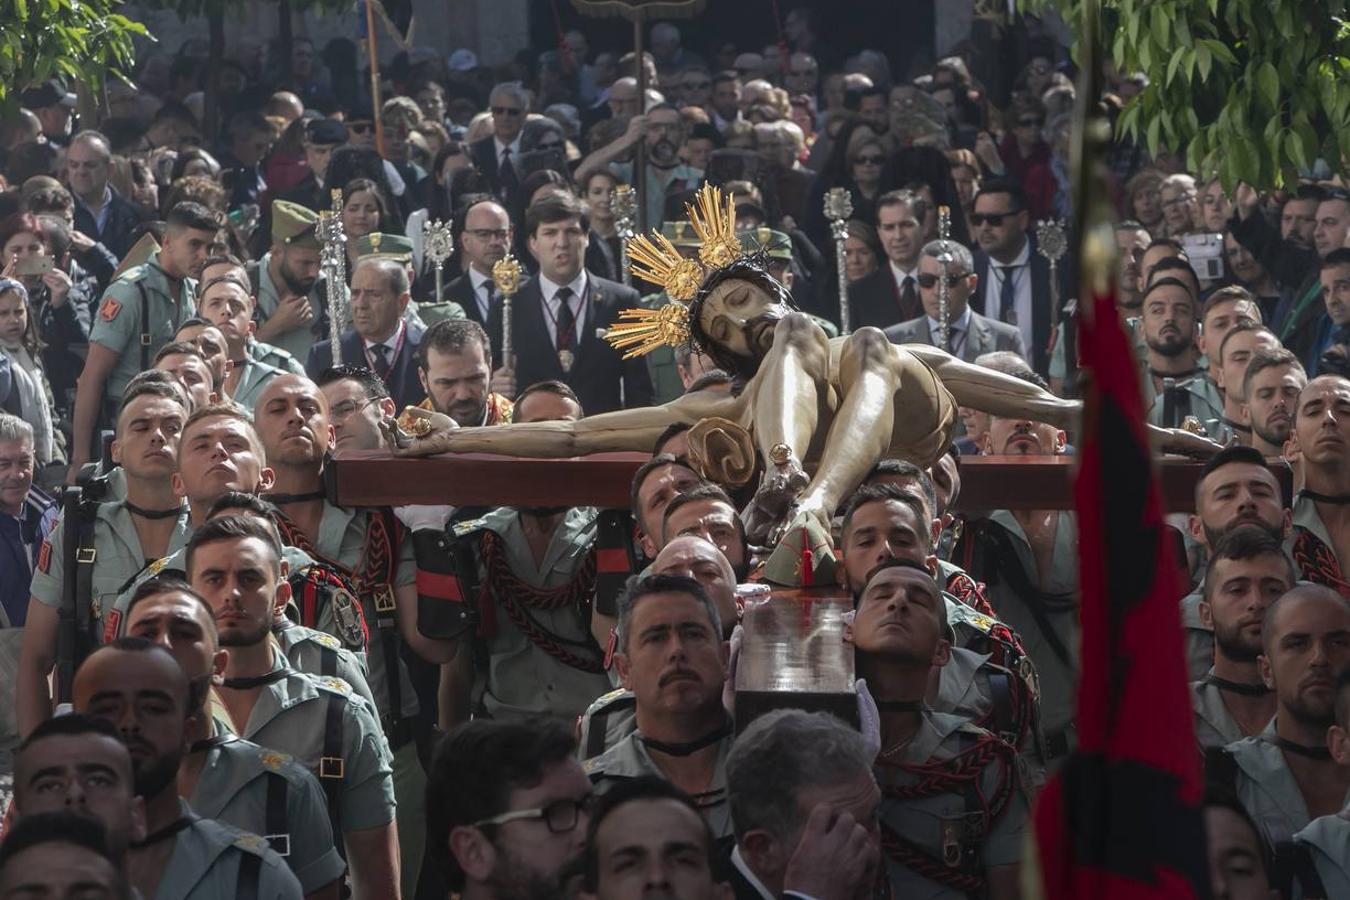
(1317, 563)
(920, 861)
(970, 592)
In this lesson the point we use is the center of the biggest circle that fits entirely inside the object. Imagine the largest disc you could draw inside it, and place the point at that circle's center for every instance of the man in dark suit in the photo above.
(1014, 278)
(498, 156)
(969, 333)
(891, 293)
(803, 800)
(322, 137)
(486, 238)
(380, 337)
(100, 212)
(560, 316)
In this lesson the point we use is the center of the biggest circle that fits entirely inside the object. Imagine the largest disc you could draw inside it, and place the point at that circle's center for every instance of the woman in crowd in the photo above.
(1143, 200)
(22, 349)
(364, 210)
(862, 251)
(602, 256)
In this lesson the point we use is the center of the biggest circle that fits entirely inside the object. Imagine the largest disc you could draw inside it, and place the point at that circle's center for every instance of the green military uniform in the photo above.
(525, 676)
(936, 822)
(116, 561)
(973, 688)
(328, 729)
(629, 759)
(1267, 788)
(1327, 840)
(1214, 724)
(254, 377)
(319, 653)
(1201, 399)
(1314, 563)
(606, 722)
(1199, 639)
(139, 314)
(213, 861)
(399, 248)
(266, 793)
(1046, 623)
(274, 357)
(298, 340)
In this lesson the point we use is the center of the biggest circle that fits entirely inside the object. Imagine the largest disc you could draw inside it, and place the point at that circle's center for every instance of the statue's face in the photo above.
(739, 316)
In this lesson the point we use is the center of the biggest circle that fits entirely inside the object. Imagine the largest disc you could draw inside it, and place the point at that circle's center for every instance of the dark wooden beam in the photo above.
(375, 478)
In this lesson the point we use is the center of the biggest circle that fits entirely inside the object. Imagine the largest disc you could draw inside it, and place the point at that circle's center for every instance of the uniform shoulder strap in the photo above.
(1293, 865)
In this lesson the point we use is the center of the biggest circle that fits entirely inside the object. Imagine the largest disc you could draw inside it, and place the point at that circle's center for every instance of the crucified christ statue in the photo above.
(820, 411)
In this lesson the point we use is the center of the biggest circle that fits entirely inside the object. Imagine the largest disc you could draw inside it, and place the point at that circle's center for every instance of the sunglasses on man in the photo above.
(992, 219)
(929, 280)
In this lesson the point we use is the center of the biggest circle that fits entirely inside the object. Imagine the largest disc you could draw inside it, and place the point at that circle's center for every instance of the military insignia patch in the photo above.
(272, 761)
(347, 619)
(109, 309)
(44, 560)
(337, 684)
(110, 625)
(250, 842)
(327, 640)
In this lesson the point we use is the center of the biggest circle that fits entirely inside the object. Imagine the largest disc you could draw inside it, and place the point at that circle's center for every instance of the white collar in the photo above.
(549, 290)
(963, 323)
(741, 866)
(391, 341)
(900, 274)
(477, 278)
(514, 146)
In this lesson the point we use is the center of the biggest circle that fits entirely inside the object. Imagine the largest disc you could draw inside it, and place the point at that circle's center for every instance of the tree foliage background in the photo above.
(1250, 90)
(81, 41)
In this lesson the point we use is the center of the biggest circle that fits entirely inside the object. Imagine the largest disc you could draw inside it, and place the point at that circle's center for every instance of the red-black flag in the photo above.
(1122, 817)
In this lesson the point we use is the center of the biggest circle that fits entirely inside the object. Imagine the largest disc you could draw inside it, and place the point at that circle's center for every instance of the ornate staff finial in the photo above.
(507, 274)
(333, 261)
(439, 243)
(838, 208)
(623, 206)
(945, 257)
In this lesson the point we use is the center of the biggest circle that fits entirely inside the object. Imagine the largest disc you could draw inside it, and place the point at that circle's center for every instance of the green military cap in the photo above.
(681, 234)
(774, 243)
(293, 224)
(377, 245)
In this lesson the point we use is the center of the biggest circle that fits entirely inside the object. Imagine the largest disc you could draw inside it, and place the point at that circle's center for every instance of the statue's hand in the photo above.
(1183, 442)
(419, 432)
(775, 500)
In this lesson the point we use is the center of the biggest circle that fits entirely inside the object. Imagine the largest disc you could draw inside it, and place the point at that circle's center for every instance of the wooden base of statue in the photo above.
(793, 655)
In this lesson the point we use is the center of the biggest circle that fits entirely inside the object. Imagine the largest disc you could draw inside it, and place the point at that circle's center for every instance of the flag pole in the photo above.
(372, 52)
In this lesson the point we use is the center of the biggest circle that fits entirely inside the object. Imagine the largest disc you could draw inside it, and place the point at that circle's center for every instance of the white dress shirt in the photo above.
(482, 291)
(552, 305)
(501, 148)
(390, 343)
(900, 275)
(1020, 273)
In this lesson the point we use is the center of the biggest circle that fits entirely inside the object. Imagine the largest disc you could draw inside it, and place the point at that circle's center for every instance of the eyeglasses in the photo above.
(868, 160)
(506, 111)
(993, 219)
(928, 279)
(488, 234)
(561, 816)
(347, 408)
(1028, 123)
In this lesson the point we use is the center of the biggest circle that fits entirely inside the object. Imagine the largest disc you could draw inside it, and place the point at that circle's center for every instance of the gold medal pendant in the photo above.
(565, 359)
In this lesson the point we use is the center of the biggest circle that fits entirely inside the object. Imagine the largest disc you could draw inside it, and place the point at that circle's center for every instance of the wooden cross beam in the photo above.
(377, 478)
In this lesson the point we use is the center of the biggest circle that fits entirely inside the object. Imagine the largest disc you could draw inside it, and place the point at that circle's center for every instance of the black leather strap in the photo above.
(274, 814)
(332, 767)
(250, 876)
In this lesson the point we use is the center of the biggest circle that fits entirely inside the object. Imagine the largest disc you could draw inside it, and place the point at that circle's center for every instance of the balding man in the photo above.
(100, 212)
(1285, 777)
(1320, 438)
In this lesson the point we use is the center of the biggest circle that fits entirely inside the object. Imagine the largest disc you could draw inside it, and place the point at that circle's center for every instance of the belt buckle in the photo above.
(86, 555)
(332, 767)
(384, 598)
(280, 843)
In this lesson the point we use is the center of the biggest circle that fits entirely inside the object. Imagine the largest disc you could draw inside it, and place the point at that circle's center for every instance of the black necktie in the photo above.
(909, 299)
(566, 321)
(379, 355)
(1007, 295)
(506, 173)
(489, 288)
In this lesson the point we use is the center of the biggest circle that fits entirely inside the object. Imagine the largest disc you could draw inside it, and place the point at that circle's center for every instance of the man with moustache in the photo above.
(1180, 386)
(227, 303)
(291, 294)
(610, 718)
(1271, 386)
(507, 809)
(222, 776)
(1241, 343)
(937, 842)
(1285, 776)
(138, 687)
(1311, 302)
(1324, 842)
(371, 549)
(116, 537)
(1235, 488)
(455, 367)
(1329, 351)
(671, 656)
(662, 129)
(234, 562)
(1247, 573)
(1321, 438)
(1028, 560)
(988, 678)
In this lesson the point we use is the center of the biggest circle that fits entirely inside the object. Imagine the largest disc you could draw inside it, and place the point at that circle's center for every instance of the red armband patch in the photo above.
(109, 309)
(44, 560)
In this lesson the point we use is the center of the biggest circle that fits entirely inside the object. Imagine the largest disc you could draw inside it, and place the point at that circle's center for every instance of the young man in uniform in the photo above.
(224, 265)
(1321, 438)
(1247, 573)
(1326, 840)
(235, 564)
(138, 687)
(138, 314)
(225, 301)
(931, 764)
(291, 295)
(222, 776)
(1271, 386)
(116, 539)
(671, 656)
(1243, 341)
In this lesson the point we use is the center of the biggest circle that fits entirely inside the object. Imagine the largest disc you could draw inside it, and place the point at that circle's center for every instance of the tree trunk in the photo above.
(215, 21)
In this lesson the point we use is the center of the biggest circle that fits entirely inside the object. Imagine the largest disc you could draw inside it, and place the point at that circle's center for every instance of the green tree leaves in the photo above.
(1248, 90)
